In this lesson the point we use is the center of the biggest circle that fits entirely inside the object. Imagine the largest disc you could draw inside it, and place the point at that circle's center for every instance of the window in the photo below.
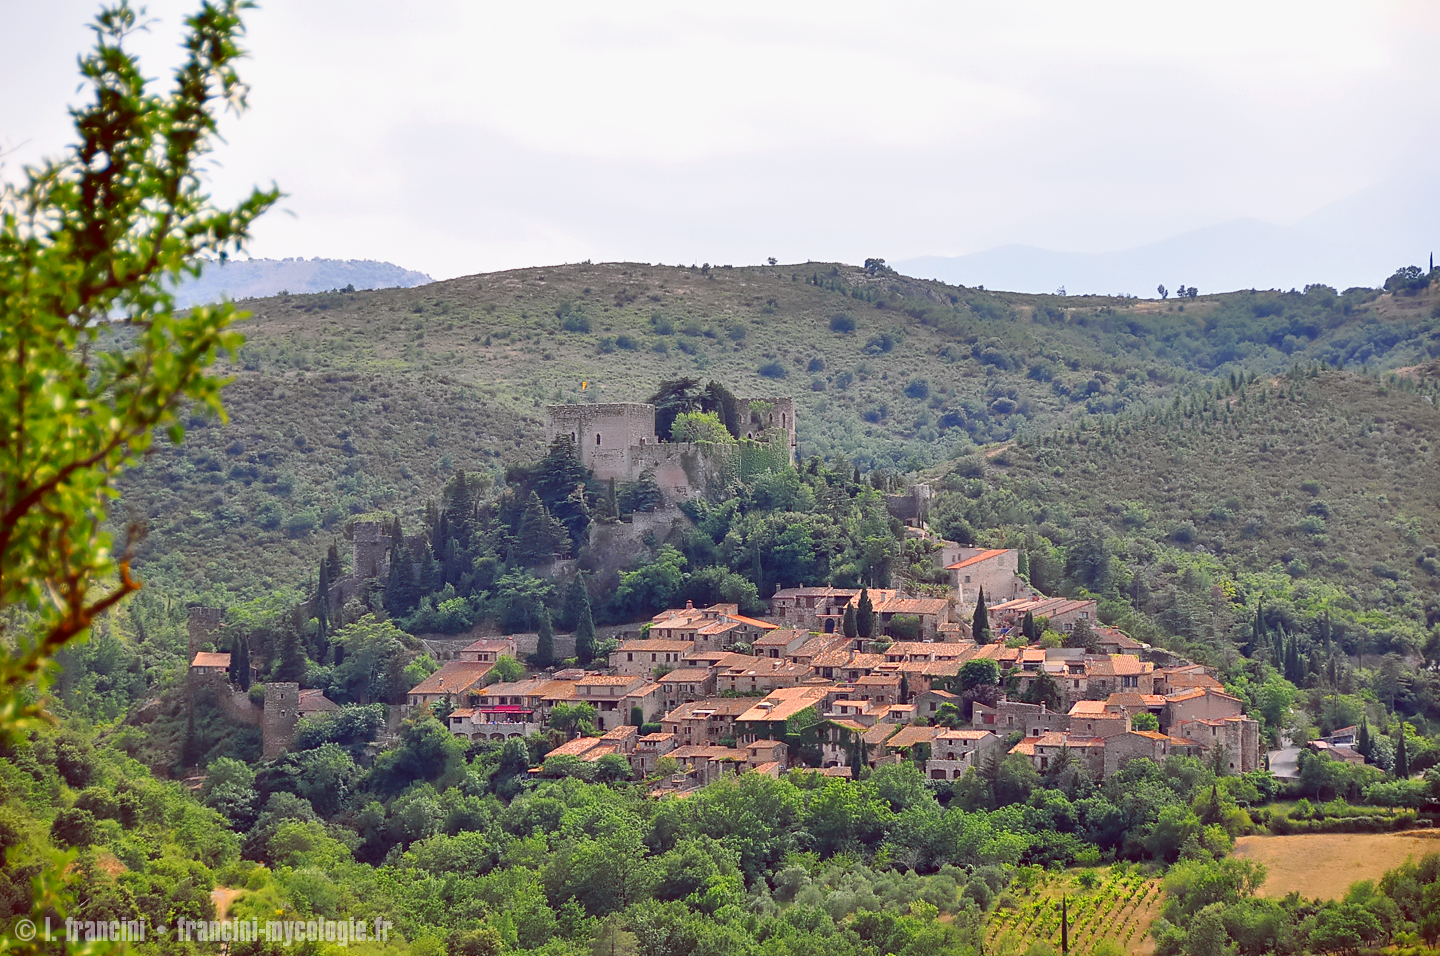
(597, 438)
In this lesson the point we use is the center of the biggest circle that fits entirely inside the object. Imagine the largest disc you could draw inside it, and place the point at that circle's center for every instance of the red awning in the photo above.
(505, 709)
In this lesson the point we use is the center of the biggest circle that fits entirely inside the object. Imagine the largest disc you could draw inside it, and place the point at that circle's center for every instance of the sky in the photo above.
(464, 137)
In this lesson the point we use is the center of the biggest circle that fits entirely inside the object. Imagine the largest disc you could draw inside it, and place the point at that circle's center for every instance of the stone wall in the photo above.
(760, 416)
(686, 470)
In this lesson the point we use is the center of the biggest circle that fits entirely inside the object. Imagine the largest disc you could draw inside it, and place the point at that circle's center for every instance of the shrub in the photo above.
(575, 323)
(817, 364)
(627, 343)
(840, 322)
(918, 389)
(772, 370)
(878, 344)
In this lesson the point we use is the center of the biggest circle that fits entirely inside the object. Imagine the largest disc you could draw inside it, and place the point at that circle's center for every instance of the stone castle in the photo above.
(617, 441)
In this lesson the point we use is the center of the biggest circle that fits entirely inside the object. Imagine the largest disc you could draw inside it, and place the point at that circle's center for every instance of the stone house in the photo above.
(606, 694)
(930, 612)
(643, 658)
(648, 750)
(952, 752)
(780, 643)
(488, 650)
(458, 681)
(1012, 716)
(705, 721)
(686, 684)
(995, 570)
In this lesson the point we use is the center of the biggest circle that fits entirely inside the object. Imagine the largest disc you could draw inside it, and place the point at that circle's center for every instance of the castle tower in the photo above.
(603, 434)
(202, 624)
(370, 549)
(282, 713)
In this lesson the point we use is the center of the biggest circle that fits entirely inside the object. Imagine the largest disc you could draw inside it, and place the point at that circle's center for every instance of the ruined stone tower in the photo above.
(282, 713)
(203, 622)
(370, 543)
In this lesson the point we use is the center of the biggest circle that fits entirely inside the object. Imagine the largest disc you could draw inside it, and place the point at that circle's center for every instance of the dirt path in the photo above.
(222, 897)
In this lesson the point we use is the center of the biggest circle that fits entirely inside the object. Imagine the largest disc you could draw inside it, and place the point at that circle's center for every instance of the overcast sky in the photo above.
(457, 138)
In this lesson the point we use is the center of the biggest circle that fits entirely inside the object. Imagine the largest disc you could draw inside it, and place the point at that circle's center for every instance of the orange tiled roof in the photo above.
(982, 556)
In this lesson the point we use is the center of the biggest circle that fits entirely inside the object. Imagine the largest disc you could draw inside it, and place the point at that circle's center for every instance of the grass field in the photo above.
(1116, 905)
(1324, 865)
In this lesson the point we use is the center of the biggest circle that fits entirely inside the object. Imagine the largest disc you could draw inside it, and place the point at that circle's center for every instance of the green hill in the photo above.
(345, 403)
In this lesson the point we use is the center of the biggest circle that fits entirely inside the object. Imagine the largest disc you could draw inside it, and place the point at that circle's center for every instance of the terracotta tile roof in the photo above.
(784, 703)
(462, 712)
(1127, 699)
(622, 732)
(769, 768)
(910, 736)
(210, 659)
(1088, 708)
(574, 748)
(454, 677)
(595, 753)
(644, 690)
(877, 680)
(844, 772)
(906, 605)
(832, 657)
(314, 701)
(1025, 747)
(977, 559)
(682, 675)
(965, 735)
(558, 690)
(754, 622)
(490, 644)
(777, 638)
(601, 680)
(851, 726)
(879, 733)
(1118, 665)
(871, 661)
(712, 707)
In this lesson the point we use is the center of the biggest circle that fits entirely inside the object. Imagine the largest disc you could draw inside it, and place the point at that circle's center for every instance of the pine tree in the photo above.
(585, 631)
(980, 623)
(545, 643)
(865, 615)
(849, 627)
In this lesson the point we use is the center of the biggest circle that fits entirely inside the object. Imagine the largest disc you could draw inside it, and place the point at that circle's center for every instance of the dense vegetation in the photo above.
(345, 403)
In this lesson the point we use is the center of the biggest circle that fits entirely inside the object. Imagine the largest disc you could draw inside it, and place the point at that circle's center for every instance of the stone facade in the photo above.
(282, 712)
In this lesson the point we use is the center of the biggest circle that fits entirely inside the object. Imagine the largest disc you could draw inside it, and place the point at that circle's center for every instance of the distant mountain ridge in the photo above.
(260, 278)
(1355, 241)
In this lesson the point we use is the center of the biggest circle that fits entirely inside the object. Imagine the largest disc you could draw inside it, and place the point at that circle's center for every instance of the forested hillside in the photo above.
(345, 403)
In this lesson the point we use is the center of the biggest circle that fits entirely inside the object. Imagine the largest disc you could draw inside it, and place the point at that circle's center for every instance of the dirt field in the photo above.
(1324, 865)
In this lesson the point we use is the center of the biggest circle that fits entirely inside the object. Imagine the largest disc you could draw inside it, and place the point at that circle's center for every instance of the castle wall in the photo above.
(686, 470)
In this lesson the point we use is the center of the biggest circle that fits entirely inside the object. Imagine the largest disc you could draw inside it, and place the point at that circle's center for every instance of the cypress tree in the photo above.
(545, 644)
(574, 597)
(1027, 627)
(1362, 740)
(849, 627)
(1402, 760)
(585, 631)
(865, 615)
(240, 664)
(980, 623)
